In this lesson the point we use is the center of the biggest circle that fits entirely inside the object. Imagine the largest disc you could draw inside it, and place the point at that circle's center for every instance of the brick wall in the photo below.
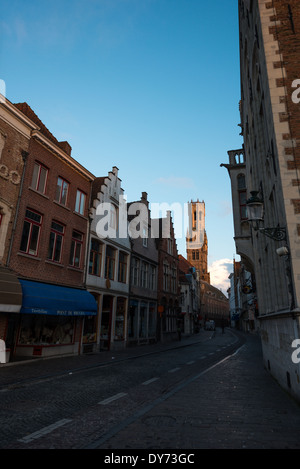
(12, 144)
(287, 33)
(39, 268)
(164, 255)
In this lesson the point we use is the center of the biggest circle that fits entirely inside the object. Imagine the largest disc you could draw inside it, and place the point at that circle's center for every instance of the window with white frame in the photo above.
(31, 232)
(80, 202)
(62, 190)
(135, 271)
(76, 249)
(56, 241)
(152, 277)
(113, 217)
(95, 257)
(110, 257)
(145, 237)
(144, 274)
(39, 177)
(122, 277)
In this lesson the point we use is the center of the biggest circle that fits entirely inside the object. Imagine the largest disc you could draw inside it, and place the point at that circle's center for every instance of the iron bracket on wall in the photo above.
(278, 234)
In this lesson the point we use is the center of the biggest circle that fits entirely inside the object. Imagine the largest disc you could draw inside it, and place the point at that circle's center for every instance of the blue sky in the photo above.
(149, 86)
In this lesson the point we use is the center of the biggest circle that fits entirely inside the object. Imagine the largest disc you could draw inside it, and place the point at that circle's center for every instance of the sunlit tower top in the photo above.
(196, 239)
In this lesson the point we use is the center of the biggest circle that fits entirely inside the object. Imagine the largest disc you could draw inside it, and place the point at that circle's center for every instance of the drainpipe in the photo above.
(24, 157)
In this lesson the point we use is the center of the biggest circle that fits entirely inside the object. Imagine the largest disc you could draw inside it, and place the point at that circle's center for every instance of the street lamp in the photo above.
(255, 211)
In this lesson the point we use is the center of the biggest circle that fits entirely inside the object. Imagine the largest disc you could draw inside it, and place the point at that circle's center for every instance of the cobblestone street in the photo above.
(235, 405)
(232, 403)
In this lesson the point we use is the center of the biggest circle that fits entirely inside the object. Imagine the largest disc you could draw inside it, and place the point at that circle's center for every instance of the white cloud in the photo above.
(219, 272)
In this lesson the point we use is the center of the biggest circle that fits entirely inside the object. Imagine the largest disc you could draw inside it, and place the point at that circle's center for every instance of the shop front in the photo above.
(113, 322)
(10, 306)
(90, 336)
(52, 319)
(142, 321)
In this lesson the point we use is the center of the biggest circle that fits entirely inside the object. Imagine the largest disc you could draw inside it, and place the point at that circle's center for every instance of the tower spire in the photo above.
(196, 240)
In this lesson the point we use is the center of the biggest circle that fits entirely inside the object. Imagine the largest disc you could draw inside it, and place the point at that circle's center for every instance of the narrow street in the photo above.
(206, 391)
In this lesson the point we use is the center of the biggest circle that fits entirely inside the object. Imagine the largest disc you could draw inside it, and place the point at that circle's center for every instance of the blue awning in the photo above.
(44, 298)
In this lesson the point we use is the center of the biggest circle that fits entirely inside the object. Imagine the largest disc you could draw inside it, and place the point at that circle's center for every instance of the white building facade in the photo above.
(108, 264)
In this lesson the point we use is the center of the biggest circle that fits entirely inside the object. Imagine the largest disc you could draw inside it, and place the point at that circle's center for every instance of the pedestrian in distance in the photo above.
(179, 332)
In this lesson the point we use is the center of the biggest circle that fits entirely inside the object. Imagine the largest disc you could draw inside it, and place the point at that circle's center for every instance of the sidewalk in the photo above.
(234, 405)
(40, 367)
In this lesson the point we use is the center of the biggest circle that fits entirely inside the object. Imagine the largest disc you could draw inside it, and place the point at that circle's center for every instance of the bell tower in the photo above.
(196, 239)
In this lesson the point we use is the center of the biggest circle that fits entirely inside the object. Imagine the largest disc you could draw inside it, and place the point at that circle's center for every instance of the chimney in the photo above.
(66, 147)
(144, 198)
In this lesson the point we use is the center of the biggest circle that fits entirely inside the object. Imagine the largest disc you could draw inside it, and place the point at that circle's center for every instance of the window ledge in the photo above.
(28, 256)
(39, 193)
(61, 205)
(57, 264)
(81, 216)
(75, 269)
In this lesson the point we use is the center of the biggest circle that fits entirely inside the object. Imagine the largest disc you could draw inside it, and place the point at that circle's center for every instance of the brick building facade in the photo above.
(48, 247)
(168, 296)
(15, 131)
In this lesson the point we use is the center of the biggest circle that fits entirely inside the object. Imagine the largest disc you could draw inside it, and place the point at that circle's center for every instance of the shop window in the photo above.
(106, 317)
(39, 178)
(56, 241)
(46, 330)
(133, 319)
(143, 321)
(62, 189)
(122, 267)
(31, 232)
(76, 249)
(89, 331)
(95, 258)
(120, 318)
(110, 263)
(80, 202)
(152, 320)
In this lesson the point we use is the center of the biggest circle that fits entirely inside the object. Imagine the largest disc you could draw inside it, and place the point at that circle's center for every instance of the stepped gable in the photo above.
(96, 187)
